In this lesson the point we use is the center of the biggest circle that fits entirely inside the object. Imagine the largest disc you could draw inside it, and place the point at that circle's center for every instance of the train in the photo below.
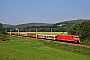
(58, 37)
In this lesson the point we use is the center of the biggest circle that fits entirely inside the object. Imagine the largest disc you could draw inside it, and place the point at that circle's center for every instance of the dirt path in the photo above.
(83, 45)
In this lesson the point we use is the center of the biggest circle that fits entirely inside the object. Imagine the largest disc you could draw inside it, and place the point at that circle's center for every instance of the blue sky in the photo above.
(43, 11)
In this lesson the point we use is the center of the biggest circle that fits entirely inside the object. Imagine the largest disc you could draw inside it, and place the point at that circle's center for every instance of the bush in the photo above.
(82, 29)
(3, 37)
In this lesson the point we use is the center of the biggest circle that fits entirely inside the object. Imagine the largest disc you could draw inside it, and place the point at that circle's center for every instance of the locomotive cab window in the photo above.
(76, 36)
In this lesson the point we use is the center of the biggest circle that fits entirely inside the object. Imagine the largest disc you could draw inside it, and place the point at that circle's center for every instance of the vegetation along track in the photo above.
(70, 43)
(67, 43)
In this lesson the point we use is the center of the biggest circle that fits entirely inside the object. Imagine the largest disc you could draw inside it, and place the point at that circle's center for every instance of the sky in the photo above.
(43, 11)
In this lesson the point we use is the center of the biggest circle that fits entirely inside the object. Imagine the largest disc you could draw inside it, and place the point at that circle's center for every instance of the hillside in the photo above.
(7, 25)
(32, 24)
(20, 48)
(27, 24)
(67, 23)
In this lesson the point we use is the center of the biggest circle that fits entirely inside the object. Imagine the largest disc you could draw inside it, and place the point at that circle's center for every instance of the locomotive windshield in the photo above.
(76, 36)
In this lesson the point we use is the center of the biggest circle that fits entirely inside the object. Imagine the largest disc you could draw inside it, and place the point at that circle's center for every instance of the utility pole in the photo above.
(10, 32)
(51, 30)
(5, 30)
(36, 33)
(29, 30)
(17, 30)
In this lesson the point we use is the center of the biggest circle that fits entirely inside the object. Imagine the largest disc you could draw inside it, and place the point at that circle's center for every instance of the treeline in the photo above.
(3, 37)
(82, 29)
(40, 29)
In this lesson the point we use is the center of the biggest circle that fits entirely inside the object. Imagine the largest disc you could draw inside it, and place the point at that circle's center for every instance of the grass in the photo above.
(21, 48)
(46, 32)
(86, 41)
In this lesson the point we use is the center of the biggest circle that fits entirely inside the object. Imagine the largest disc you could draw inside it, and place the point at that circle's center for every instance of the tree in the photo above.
(2, 35)
(74, 29)
(85, 34)
(1, 29)
(82, 29)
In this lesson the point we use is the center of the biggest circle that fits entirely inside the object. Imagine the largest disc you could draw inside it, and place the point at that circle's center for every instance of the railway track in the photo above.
(49, 38)
(67, 43)
(73, 44)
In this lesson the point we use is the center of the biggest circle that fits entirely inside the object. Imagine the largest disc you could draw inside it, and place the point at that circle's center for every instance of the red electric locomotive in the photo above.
(73, 38)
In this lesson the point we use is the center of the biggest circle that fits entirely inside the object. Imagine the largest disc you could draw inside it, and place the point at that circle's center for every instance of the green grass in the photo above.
(86, 41)
(20, 48)
(45, 32)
